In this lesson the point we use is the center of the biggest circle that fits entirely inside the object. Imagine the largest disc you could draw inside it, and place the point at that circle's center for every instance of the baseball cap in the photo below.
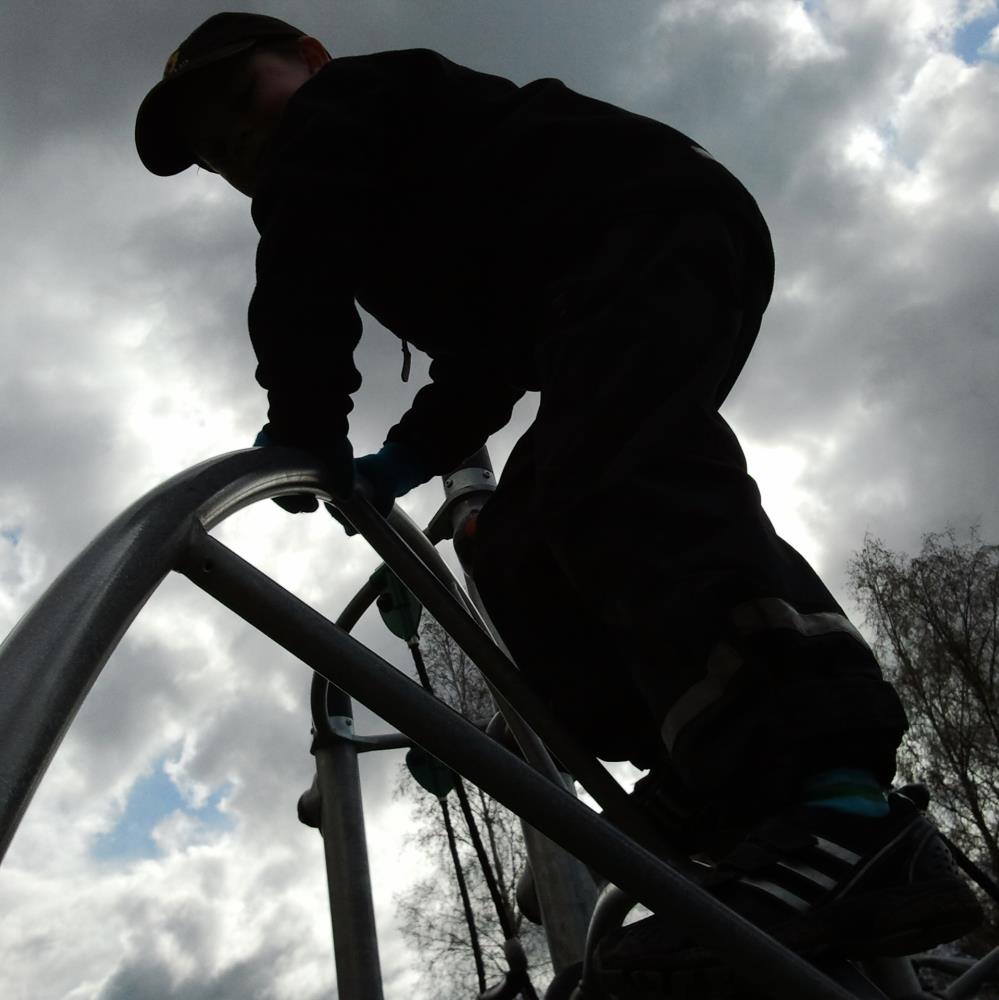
(161, 147)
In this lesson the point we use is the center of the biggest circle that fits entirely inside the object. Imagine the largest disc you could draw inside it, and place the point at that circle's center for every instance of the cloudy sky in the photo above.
(161, 856)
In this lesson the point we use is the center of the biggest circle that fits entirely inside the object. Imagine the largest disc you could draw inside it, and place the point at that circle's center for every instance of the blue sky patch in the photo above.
(12, 535)
(969, 39)
(152, 799)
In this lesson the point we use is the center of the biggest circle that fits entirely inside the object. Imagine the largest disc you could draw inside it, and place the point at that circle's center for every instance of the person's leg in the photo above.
(757, 680)
(571, 660)
(643, 497)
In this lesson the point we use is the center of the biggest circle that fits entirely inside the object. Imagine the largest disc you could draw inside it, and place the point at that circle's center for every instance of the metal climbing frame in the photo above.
(53, 656)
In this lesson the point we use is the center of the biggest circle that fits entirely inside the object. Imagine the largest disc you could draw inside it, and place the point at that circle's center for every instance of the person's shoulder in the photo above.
(351, 78)
(385, 61)
(414, 65)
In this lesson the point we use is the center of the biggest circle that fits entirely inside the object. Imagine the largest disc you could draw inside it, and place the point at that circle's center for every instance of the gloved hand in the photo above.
(391, 472)
(339, 459)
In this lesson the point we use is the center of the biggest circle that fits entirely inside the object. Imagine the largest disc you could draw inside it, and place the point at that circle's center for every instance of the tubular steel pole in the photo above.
(352, 911)
(456, 742)
(345, 847)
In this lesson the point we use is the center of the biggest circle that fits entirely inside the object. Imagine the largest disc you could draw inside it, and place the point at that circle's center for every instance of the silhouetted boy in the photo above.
(532, 239)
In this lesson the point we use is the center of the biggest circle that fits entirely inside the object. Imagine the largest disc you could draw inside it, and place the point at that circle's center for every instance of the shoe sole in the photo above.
(891, 922)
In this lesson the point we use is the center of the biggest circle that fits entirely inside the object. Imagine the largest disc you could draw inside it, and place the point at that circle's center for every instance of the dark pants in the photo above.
(627, 562)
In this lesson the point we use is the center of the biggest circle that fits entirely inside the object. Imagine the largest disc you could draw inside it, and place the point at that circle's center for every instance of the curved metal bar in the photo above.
(966, 985)
(942, 963)
(613, 905)
(54, 654)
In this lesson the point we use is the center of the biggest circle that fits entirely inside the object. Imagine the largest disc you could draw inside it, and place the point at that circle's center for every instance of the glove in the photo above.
(339, 459)
(391, 472)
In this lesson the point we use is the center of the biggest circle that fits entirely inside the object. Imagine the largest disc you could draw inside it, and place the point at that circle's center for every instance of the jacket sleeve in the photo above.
(329, 181)
(365, 138)
(454, 415)
(304, 327)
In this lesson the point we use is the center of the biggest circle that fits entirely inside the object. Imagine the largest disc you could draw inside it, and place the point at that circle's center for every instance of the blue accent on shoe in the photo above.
(847, 790)
(855, 805)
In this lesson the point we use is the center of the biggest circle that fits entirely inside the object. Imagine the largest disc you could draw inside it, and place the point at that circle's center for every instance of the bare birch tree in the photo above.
(935, 619)
(431, 914)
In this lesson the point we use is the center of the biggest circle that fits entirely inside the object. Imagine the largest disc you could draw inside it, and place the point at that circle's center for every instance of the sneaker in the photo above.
(822, 882)
(690, 826)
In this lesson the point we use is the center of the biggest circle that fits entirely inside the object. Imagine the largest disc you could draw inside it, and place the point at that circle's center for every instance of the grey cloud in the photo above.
(151, 979)
(147, 978)
(81, 71)
(880, 343)
(135, 700)
(573, 42)
(894, 318)
(265, 740)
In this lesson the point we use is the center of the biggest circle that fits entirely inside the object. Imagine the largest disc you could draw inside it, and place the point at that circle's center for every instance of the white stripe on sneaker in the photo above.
(787, 897)
(836, 850)
(809, 873)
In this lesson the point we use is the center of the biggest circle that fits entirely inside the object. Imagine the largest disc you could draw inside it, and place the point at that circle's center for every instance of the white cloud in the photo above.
(779, 469)
(867, 404)
(866, 148)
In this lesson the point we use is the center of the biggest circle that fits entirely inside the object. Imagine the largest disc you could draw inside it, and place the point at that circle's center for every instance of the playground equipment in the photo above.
(50, 660)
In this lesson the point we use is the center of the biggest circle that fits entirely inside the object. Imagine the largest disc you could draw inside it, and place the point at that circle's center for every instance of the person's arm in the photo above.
(455, 413)
(304, 327)
(358, 138)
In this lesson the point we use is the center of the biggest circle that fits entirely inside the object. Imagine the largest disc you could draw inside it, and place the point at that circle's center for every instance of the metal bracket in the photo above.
(341, 727)
(470, 486)
(464, 481)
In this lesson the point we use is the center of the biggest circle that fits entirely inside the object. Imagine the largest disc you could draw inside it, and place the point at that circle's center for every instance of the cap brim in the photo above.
(161, 146)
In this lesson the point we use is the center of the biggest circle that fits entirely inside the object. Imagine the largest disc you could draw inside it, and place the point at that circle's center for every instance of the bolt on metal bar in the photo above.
(455, 741)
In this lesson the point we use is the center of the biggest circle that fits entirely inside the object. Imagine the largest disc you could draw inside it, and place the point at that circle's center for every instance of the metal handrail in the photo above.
(966, 985)
(53, 656)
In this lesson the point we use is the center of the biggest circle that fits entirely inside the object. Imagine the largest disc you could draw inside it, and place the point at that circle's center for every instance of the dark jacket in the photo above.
(455, 207)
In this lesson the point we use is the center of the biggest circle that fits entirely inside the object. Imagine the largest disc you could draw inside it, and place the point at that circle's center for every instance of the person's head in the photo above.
(222, 95)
